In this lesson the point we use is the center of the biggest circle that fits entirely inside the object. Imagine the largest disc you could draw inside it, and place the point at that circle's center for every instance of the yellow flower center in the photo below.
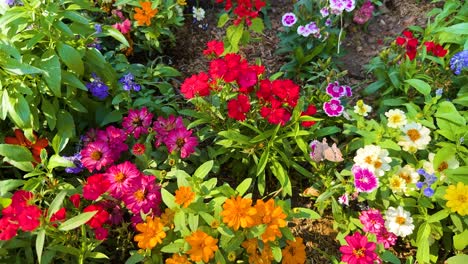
(405, 176)
(400, 220)
(395, 183)
(96, 155)
(139, 195)
(368, 160)
(395, 119)
(180, 142)
(462, 198)
(119, 177)
(359, 252)
(377, 164)
(413, 134)
(443, 166)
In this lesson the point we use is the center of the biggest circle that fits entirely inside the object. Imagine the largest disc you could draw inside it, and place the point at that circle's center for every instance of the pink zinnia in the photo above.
(120, 176)
(359, 250)
(364, 179)
(372, 220)
(115, 139)
(137, 122)
(163, 126)
(333, 107)
(387, 239)
(144, 194)
(181, 140)
(96, 155)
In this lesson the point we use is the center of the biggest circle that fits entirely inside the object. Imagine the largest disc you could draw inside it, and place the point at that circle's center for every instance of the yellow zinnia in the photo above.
(144, 14)
(271, 215)
(181, 2)
(294, 252)
(177, 259)
(184, 196)
(238, 212)
(202, 246)
(457, 198)
(152, 233)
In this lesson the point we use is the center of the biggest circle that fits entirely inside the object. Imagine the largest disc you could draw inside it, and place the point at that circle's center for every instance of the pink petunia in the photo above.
(163, 126)
(123, 27)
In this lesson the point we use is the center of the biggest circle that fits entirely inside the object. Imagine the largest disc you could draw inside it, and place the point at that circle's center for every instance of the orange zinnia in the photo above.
(257, 255)
(145, 13)
(294, 252)
(35, 147)
(152, 233)
(271, 215)
(177, 259)
(202, 246)
(184, 196)
(238, 212)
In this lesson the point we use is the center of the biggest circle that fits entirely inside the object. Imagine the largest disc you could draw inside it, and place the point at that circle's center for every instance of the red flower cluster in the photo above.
(410, 43)
(276, 98)
(214, 48)
(96, 185)
(436, 49)
(21, 213)
(247, 9)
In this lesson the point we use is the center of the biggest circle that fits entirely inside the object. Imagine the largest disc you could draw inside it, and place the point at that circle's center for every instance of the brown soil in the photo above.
(360, 44)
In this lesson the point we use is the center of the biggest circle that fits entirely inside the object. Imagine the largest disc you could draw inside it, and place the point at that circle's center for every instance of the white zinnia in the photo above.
(397, 184)
(399, 221)
(362, 109)
(396, 118)
(416, 137)
(449, 162)
(373, 158)
(198, 13)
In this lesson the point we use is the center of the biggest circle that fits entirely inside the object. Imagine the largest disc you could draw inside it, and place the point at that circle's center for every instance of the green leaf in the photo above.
(276, 253)
(16, 152)
(174, 247)
(422, 242)
(71, 57)
(20, 112)
(458, 174)
(56, 204)
(65, 124)
(9, 185)
(326, 131)
(442, 214)
(110, 31)
(388, 256)
(460, 28)
(65, 249)
(49, 112)
(40, 244)
(71, 79)
(460, 241)
(257, 25)
(244, 186)
(168, 199)
(421, 86)
(76, 221)
(58, 161)
(59, 143)
(223, 19)
(135, 258)
(234, 34)
(458, 259)
(263, 162)
(15, 67)
(96, 255)
(50, 63)
(300, 212)
(203, 170)
(111, 117)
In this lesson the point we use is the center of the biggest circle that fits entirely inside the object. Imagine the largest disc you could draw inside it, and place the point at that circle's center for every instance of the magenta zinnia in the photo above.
(163, 126)
(359, 250)
(96, 155)
(143, 194)
(364, 179)
(137, 122)
(181, 140)
(372, 220)
(120, 177)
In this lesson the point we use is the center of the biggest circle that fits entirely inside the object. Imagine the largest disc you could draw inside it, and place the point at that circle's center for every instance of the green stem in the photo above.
(341, 32)
(81, 257)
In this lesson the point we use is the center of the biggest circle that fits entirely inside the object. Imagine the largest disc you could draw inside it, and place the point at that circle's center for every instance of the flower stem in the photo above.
(339, 35)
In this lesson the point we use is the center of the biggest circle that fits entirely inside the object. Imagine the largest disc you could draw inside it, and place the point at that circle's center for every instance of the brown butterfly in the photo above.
(322, 151)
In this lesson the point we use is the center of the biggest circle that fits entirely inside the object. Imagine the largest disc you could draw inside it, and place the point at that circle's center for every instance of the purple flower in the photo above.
(303, 31)
(289, 19)
(181, 140)
(324, 12)
(97, 87)
(459, 61)
(128, 83)
(429, 179)
(344, 199)
(333, 107)
(328, 22)
(98, 28)
(364, 179)
(76, 159)
(439, 92)
(335, 90)
(312, 27)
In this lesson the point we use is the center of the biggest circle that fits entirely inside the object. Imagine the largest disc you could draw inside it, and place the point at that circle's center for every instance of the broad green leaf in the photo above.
(168, 199)
(40, 244)
(442, 214)
(111, 117)
(96, 255)
(244, 186)
(460, 241)
(65, 124)
(300, 212)
(174, 247)
(76, 17)
(257, 25)
(460, 28)
(50, 63)
(388, 256)
(71, 79)
(65, 249)
(15, 67)
(223, 19)
(71, 57)
(16, 152)
(458, 174)
(4, 104)
(9, 185)
(203, 170)
(59, 143)
(110, 31)
(135, 258)
(421, 86)
(263, 162)
(276, 253)
(49, 112)
(76, 221)
(20, 112)
(458, 259)
(56, 203)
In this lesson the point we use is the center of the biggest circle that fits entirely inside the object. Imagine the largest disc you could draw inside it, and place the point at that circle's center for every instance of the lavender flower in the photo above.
(10, 2)
(328, 22)
(324, 12)
(439, 92)
(128, 83)
(429, 179)
(289, 19)
(97, 87)
(98, 28)
(76, 159)
(459, 61)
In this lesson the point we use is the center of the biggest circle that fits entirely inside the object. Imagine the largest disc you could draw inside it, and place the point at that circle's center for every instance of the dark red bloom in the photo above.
(100, 233)
(234, 63)
(8, 228)
(95, 186)
(436, 49)
(195, 85)
(310, 111)
(35, 146)
(29, 218)
(237, 108)
(218, 68)
(214, 47)
(411, 44)
(75, 199)
(138, 149)
(59, 216)
(99, 218)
